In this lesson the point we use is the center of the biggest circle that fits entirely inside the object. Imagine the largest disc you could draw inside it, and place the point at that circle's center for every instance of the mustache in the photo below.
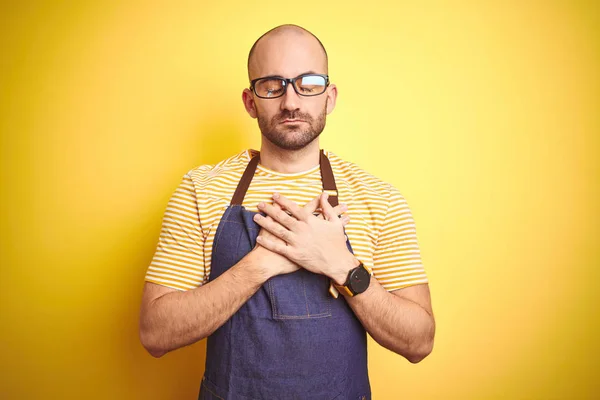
(287, 114)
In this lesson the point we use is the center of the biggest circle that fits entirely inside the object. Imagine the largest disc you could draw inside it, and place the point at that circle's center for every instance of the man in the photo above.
(255, 250)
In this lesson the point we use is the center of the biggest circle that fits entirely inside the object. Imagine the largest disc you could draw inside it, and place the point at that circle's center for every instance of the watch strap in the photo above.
(332, 290)
(344, 290)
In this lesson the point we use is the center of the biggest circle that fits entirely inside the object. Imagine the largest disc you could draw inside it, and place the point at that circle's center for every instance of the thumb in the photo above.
(327, 209)
(312, 205)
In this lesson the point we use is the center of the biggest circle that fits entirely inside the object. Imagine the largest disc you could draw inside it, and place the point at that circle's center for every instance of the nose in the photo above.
(290, 99)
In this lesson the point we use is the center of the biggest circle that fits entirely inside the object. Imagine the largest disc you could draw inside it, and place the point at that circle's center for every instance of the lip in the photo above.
(292, 121)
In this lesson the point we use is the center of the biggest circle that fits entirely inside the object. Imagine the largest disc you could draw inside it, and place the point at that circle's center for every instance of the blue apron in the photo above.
(291, 339)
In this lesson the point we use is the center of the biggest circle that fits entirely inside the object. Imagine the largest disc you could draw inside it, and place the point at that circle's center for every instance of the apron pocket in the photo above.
(209, 391)
(299, 295)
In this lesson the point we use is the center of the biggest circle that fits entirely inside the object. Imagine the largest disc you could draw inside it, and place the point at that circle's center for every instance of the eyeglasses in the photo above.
(272, 87)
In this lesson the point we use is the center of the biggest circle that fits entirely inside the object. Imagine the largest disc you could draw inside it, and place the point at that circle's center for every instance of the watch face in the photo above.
(359, 279)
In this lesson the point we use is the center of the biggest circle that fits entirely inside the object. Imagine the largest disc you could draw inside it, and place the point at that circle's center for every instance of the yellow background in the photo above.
(485, 115)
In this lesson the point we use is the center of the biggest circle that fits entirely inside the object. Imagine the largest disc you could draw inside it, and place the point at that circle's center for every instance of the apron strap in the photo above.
(326, 177)
(242, 188)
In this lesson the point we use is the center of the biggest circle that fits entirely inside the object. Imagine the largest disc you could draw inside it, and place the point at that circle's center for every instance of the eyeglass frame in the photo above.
(287, 81)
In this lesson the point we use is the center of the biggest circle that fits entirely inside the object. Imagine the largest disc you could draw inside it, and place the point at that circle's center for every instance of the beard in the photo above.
(292, 137)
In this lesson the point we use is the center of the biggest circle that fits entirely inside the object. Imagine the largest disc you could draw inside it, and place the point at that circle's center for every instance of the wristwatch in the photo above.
(357, 282)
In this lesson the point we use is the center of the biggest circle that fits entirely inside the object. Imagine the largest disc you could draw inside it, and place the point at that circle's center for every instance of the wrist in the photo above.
(341, 275)
(256, 268)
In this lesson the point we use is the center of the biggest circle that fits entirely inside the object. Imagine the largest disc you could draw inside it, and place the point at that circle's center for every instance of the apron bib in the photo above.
(291, 339)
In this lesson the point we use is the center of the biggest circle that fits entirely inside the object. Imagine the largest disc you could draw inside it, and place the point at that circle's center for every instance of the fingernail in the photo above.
(276, 195)
(257, 217)
(261, 205)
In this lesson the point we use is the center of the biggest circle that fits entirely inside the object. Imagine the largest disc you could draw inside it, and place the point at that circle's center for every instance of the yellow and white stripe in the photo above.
(382, 231)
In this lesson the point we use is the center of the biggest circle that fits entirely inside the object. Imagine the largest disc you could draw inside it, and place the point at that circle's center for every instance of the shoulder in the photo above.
(225, 171)
(359, 180)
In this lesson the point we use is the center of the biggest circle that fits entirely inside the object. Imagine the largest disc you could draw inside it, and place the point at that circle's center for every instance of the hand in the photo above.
(272, 263)
(337, 210)
(317, 244)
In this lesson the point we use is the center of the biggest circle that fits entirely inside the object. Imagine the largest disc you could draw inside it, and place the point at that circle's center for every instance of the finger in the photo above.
(337, 210)
(312, 205)
(289, 205)
(279, 207)
(340, 209)
(345, 220)
(273, 227)
(330, 215)
(270, 234)
(277, 247)
(278, 214)
(266, 233)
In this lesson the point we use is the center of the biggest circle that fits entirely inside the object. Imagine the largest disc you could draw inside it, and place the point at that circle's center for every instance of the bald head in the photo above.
(280, 40)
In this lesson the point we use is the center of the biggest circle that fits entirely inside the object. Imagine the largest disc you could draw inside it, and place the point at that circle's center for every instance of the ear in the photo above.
(331, 97)
(249, 104)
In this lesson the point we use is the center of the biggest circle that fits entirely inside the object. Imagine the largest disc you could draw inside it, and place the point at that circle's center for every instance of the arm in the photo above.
(401, 321)
(170, 319)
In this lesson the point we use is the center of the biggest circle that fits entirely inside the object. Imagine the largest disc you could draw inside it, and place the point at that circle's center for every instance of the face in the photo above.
(291, 129)
(290, 122)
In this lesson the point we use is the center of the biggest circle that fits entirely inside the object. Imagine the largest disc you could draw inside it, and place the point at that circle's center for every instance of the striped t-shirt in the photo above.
(381, 230)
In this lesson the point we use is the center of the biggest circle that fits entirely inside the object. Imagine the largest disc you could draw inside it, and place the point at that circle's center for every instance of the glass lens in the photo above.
(269, 87)
(311, 85)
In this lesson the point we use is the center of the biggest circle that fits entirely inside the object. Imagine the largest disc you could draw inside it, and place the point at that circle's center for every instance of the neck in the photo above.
(289, 161)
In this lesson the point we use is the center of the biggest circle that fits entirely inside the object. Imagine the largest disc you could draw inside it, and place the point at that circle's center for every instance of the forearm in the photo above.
(398, 324)
(179, 319)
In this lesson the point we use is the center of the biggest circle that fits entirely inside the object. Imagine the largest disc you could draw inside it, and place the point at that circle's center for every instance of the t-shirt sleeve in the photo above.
(397, 258)
(179, 258)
